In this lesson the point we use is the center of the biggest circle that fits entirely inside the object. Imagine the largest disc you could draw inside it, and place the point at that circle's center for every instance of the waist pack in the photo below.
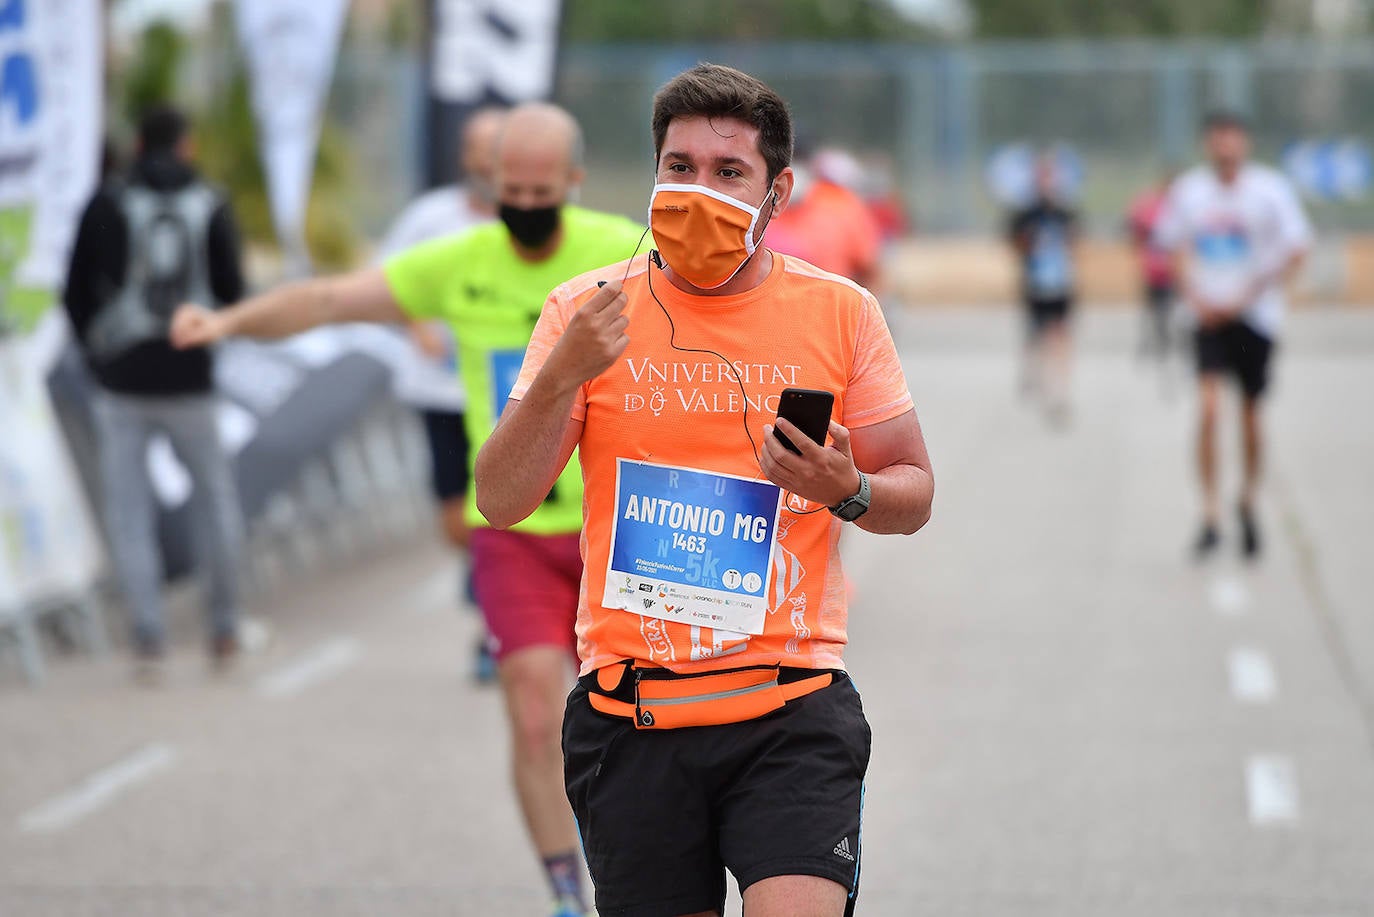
(655, 698)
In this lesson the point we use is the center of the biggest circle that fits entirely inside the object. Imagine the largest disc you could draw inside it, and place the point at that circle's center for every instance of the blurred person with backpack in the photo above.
(146, 243)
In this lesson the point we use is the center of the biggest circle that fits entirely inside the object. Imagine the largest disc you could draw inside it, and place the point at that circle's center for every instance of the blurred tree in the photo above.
(152, 75)
(403, 24)
(227, 141)
(226, 137)
(708, 20)
(1140, 18)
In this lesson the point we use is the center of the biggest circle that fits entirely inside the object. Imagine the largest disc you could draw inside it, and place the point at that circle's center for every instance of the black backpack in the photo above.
(166, 266)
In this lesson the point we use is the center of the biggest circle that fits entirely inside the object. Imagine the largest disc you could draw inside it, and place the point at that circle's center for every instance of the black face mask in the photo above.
(531, 227)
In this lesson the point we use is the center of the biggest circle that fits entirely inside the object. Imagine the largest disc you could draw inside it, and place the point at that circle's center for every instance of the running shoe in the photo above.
(224, 650)
(150, 666)
(484, 665)
(1249, 533)
(1207, 541)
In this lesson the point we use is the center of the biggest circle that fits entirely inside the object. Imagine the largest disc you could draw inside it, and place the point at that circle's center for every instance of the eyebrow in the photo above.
(719, 160)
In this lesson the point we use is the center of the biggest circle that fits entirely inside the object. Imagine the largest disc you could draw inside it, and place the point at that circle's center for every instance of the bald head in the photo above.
(481, 132)
(542, 126)
(539, 155)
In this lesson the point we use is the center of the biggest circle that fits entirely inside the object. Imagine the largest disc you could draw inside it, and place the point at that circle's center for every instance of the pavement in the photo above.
(1070, 717)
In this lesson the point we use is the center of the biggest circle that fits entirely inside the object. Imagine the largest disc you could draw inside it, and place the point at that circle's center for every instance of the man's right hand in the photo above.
(196, 326)
(594, 338)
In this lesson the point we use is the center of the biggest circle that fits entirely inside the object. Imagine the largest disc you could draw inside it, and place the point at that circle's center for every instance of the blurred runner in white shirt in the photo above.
(430, 382)
(1240, 234)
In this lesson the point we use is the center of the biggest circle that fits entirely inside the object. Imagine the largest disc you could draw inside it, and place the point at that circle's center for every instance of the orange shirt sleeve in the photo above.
(877, 388)
(558, 308)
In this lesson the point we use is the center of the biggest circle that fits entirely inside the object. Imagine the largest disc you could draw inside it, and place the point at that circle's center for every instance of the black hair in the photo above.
(1223, 118)
(715, 91)
(161, 128)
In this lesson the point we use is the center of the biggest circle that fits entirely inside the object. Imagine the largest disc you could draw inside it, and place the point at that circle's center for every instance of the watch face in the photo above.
(851, 510)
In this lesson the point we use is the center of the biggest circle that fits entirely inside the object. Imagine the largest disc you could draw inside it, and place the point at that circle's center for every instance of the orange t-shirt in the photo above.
(832, 228)
(683, 407)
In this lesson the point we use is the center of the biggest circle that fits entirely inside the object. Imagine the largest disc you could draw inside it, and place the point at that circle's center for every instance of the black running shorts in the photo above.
(1239, 350)
(448, 453)
(663, 813)
(1046, 312)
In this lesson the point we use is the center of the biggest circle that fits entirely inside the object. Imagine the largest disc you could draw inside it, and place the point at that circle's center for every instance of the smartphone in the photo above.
(807, 408)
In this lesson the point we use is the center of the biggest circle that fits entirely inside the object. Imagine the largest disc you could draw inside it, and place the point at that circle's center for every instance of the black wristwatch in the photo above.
(855, 506)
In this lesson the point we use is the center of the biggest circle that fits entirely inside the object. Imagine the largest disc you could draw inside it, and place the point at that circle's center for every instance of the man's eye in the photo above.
(678, 167)
(729, 173)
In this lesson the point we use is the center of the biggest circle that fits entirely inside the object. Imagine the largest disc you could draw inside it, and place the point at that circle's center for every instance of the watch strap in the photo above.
(861, 499)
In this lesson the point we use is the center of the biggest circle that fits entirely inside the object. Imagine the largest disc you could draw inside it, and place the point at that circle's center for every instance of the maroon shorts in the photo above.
(527, 587)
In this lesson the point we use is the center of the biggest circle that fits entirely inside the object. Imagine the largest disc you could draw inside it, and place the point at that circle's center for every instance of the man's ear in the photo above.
(782, 189)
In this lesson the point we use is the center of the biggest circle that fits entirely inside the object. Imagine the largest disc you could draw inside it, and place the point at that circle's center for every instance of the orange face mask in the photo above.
(704, 235)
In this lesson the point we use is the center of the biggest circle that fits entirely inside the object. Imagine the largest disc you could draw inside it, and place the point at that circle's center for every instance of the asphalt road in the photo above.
(1070, 717)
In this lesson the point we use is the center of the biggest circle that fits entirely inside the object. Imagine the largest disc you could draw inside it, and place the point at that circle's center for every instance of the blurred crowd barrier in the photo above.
(329, 465)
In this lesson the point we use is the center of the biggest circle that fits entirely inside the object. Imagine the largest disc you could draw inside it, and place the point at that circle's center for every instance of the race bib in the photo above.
(692, 546)
(1049, 267)
(505, 371)
(1225, 245)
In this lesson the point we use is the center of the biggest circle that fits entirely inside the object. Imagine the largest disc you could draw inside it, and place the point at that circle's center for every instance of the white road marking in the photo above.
(325, 660)
(98, 789)
(1271, 789)
(1252, 676)
(1228, 595)
(443, 590)
(254, 634)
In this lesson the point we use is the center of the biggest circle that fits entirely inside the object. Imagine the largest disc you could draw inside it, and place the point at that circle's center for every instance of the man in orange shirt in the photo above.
(712, 596)
(827, 224)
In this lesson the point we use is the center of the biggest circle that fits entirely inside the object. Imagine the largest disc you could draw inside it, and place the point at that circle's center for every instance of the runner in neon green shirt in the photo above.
(490, 285)
(491, 297)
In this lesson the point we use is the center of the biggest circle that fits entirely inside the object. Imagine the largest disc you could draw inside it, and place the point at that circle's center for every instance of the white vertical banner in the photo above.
(290, 46)
(48, 544)
(51, 101)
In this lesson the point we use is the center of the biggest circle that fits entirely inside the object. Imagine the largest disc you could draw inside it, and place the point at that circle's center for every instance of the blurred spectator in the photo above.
(1043, 235)
(145, 245)
(826, 222)
(1244, 234)
(1156, 265)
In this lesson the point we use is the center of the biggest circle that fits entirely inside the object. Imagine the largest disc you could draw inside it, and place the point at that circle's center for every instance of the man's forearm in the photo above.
(523, 457)
(899, 502)
(282, 312)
